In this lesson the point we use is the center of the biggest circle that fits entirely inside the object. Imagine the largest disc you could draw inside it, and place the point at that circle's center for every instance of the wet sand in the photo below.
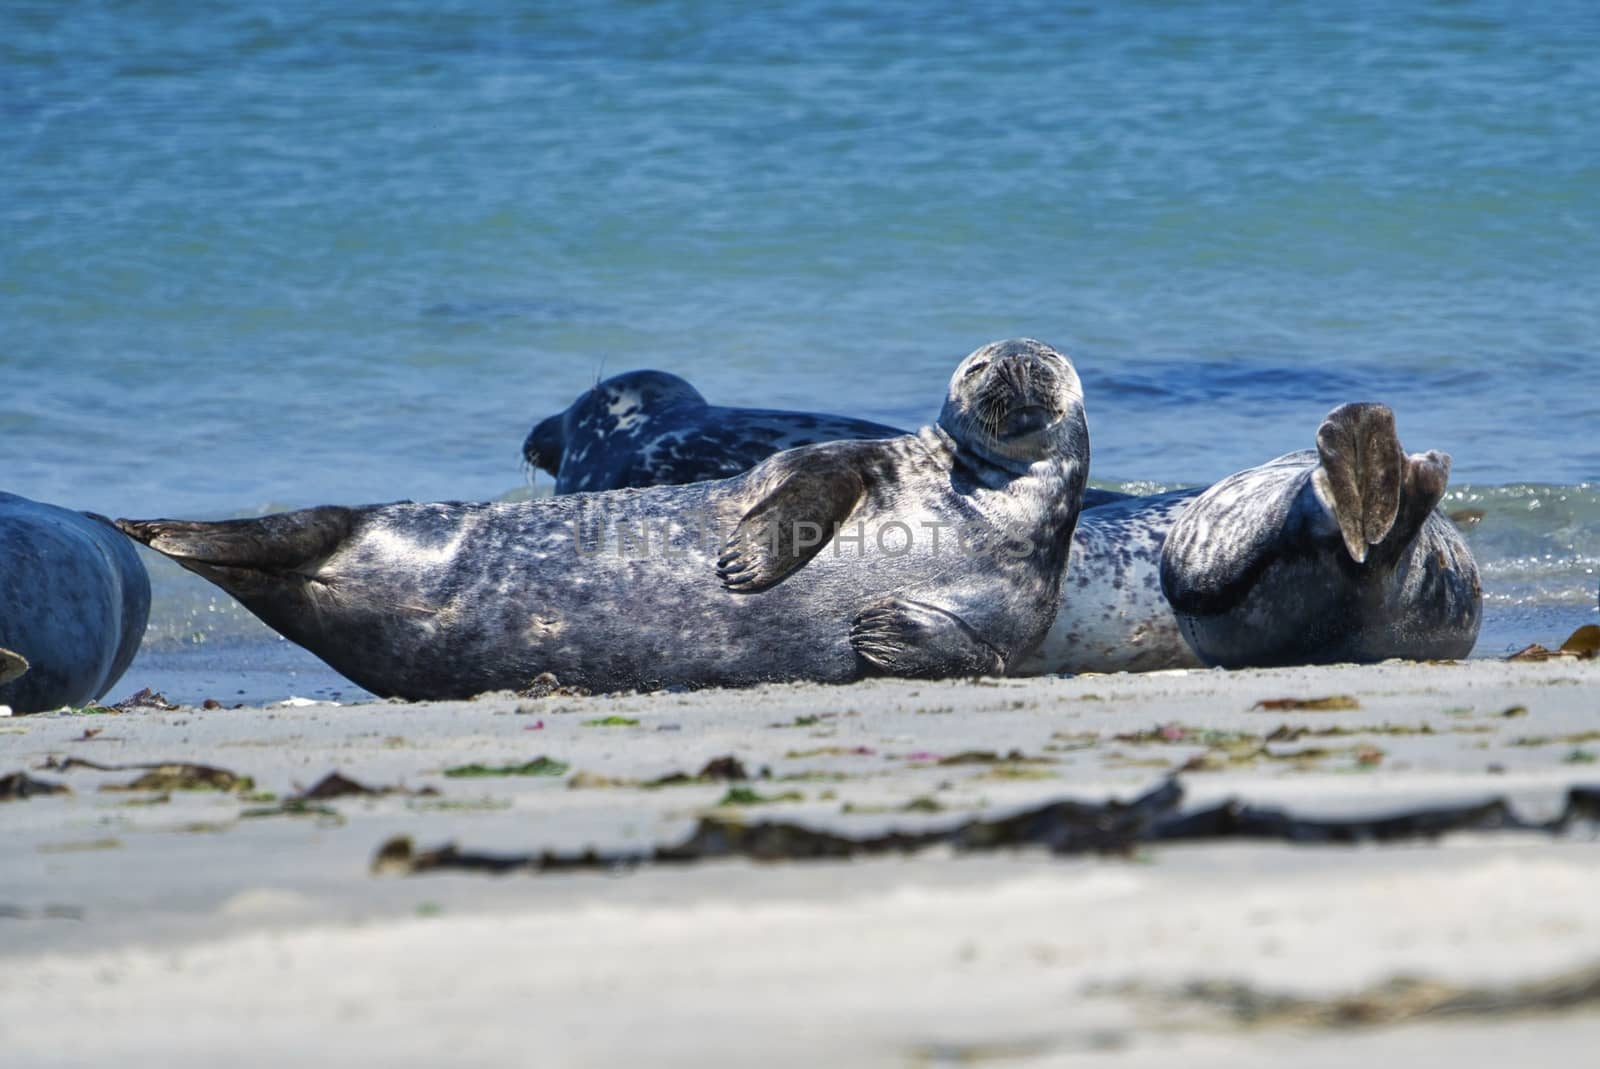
(170, 926)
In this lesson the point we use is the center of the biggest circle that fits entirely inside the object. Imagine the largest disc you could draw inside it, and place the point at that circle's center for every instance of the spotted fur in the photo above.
(1270, 567)
(446, 600)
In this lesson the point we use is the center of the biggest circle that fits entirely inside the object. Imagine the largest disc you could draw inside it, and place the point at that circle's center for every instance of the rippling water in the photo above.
(257, 255)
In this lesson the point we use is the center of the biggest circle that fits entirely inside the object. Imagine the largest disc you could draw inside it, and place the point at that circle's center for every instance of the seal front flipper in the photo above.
(286, 542)
(911, 638)
(814, 491)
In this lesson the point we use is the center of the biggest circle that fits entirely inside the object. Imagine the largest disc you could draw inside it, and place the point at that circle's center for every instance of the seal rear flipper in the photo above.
(911, 638)
(1362, 473)
(284, 542)
(1376, 493)
(795, 519)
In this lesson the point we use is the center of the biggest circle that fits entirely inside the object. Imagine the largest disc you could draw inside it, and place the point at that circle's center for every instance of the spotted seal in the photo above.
(1333, 554)
(74, 599)
(821, 563)
(1116, 613)
(651, 428)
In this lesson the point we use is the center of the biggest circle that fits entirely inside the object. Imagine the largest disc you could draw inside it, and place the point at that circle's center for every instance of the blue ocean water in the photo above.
(259, 255)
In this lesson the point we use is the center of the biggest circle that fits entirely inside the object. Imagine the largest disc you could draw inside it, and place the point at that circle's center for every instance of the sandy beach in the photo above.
(248, 923)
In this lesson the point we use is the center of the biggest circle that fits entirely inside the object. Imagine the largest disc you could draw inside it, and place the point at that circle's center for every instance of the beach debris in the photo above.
(160, 775)
(748, 796)
(809, 720)
(1064, 827)
(718, 769)
(546, 685)
(1330, 704)
(146, 699)
(1583, 644)
(539, 766)
(20, 785)
(831, 751)
(1393, 1001)
(337, 785)
(989, 757)
(183, 776)
(724, 769)
(1576, 738)
(611, 722)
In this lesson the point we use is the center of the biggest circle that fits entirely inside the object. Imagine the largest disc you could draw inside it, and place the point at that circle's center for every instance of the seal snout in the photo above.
(543, 446)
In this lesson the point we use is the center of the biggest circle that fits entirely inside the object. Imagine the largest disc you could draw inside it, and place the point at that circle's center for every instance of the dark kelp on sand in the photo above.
(1063, 827)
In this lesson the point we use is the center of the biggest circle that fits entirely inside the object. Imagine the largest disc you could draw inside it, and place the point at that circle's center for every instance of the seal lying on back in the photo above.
(74, 598)
(822, 563)
(1260, 573)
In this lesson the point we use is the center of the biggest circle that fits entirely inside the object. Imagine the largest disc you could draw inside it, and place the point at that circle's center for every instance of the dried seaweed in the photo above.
(337, 785)
(1582, 644)
(161, 775)
(19, 785)
(1063, 827)
(1331, 704)
(539, 766)
(1388, 1003)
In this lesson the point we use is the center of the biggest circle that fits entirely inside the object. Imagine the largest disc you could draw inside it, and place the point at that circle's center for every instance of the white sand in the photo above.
(184, 933)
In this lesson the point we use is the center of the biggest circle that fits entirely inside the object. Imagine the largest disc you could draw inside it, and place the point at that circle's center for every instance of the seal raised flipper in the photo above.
(914, 639)
(816, 489)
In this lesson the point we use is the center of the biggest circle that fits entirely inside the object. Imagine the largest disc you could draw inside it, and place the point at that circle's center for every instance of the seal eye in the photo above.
(976, 367)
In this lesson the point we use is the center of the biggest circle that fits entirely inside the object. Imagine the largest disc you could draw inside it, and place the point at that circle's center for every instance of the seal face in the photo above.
(74, 599)
(650, 428)
(1337, 554)
(933, 554)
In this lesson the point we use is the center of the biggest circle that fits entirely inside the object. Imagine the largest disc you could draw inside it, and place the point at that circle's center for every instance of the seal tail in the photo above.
(1377, 493)
(286, 542)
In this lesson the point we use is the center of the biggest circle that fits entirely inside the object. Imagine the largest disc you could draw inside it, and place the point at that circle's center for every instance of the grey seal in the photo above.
(1337, 554)
(651, 428)
(1240, 601)
(821, 563)
(74, 600)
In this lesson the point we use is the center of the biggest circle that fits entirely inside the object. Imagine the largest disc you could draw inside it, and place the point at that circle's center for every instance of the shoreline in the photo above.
(201, 922)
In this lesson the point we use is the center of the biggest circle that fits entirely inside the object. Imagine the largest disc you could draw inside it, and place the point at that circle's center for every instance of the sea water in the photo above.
(263, 255)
